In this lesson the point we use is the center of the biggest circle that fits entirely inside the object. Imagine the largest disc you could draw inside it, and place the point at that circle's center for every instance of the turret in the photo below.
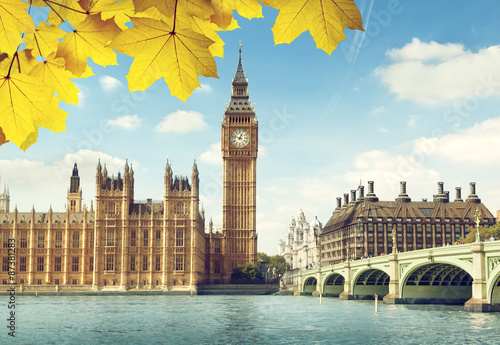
(74, 198)
(195, 180)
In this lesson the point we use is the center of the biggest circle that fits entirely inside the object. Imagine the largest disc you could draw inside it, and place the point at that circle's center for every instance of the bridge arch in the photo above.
(333, 284)
(493, 286)
(443, 281)
(370, 281)
(309, 285)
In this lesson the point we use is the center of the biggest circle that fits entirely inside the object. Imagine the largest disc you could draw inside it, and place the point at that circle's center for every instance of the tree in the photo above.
(247, 273)
(176, 40)
(277, 261)
(485, 233)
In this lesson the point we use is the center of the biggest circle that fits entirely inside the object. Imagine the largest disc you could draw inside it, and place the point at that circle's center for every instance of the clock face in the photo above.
(239, 138)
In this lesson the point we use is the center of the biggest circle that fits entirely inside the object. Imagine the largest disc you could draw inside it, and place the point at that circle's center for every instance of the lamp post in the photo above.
(477, 219)
(394, 247)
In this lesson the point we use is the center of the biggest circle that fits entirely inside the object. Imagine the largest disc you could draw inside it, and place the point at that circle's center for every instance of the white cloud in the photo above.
(435, 74)
(204, 88)
(378, 110)
(109, 83)
(212, 155)
(382, 129)
(413, 120)
(476, 145)
(126, 122)
(182, 122)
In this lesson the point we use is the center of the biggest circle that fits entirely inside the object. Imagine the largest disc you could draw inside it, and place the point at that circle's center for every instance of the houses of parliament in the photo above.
(120, 244)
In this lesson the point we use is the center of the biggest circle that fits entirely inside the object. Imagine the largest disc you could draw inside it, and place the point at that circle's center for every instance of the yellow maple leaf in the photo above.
(44, 39)
(26, 103)
(14, 20)
(199, 8)
(89, 39)
(2, 137)
(325, 20)
(55, 76)
(223, 11)
(209, 29)
(121, 10)
(160, 49)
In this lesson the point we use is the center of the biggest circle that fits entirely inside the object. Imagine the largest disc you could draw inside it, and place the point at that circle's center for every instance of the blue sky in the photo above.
(415, 98)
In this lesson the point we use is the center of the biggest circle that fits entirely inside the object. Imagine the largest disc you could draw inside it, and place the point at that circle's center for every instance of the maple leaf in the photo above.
(44, 39)
(160, 49)
(325, 20)
(89, 39)
(224, 11)
(52, 72)
(14, 20)
(2, 137)
(26, 104)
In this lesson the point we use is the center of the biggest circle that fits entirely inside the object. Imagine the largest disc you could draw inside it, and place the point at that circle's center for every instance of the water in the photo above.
(240, 320)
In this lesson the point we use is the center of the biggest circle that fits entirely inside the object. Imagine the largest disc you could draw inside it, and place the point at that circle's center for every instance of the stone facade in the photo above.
(364, 227)
(302, 246)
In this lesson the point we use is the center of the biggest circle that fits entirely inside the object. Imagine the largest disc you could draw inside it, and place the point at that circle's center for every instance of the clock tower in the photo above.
(239, 143)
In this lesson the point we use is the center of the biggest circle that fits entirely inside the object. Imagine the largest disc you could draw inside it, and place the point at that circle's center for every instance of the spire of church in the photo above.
(239, 77)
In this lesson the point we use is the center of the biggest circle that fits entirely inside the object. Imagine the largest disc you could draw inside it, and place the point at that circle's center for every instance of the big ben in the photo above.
(239, 143)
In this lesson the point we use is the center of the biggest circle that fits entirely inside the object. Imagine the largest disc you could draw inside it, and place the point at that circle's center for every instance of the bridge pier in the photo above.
(479, 301)
(347, 294)
(393, 296)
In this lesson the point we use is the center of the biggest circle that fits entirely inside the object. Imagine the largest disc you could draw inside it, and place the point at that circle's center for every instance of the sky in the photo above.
(413, 98)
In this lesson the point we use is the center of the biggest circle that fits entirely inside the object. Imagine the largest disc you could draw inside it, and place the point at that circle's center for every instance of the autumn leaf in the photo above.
(14, 21)
(55, 76)
(2, 137)
(325, 20)
(44, 39)
(224, 11)
(26, 104)
(177, 54)
(89, 39)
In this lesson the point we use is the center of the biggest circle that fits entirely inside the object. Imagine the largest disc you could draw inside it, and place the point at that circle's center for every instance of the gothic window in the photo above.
(57, 264)
(91, 240)
(158, 238)
(40, 261)
(132, 238)
(132, 262)
(157, 263)
(145, 238)
(216, 266)
(24, 239)
(145, 263)
(179, 263)
(110, 262)
(41, 239)
(76, 239)
(110, 238)
(180, 208)
(111, 208)
(217, 247)
(179, 238)
(6, 239)
(5, 264)
(59, 236)
(75, 265)
(91, 264)
(22, 264)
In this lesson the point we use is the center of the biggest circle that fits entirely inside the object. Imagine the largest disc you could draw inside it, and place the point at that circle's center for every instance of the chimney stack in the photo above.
(339, 202)
(361, 193)
(473, 197)
(458, 194)
(353, 196)
(402, 193)
(371, 195)
(346, 199)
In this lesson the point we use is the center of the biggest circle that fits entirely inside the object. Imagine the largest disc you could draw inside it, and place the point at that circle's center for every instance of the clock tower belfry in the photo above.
(239, 144)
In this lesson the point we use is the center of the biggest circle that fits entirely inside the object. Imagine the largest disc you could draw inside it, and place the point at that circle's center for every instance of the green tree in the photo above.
(277, 261)
(485, 233)
(247, 273)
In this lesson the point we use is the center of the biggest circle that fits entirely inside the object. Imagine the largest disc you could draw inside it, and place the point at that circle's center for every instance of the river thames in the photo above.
(241, 320)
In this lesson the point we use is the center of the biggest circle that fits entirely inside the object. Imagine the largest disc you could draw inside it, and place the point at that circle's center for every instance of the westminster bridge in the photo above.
(462, 274)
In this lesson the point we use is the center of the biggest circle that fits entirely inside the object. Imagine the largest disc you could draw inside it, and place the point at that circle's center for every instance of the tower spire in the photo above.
(239, 77)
